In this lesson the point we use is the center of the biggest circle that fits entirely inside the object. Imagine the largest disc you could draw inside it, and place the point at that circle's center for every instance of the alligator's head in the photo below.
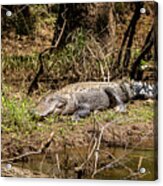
(50, 104)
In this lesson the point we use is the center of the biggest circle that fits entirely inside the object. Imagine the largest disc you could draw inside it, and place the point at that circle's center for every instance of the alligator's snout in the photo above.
(50, 105)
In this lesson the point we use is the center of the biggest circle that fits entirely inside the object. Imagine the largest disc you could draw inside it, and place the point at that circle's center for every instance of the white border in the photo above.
(40, 181)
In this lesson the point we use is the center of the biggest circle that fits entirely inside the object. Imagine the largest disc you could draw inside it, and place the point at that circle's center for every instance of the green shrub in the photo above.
(15, 115)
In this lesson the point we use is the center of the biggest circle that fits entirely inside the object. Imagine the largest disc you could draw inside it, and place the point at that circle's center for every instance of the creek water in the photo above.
(123, 161)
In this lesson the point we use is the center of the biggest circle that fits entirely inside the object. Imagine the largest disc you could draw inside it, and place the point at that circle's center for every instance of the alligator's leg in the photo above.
(120, 105)
(82, 111)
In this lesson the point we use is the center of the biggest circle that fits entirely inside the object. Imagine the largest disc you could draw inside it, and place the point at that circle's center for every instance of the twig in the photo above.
(136, 175)
(140, 162)
(42, 149)
(88, 158)
(42, 161)
(122, 164)
(98, 148)
(58, 162)
(61, 33)
(110, 165)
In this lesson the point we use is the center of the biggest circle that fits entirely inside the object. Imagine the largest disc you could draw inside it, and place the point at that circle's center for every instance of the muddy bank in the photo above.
(68, 157)
(131, 135)
(130, 143)
(128, 136)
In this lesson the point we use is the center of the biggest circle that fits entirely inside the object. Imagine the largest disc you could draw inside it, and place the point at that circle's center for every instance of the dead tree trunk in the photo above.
(145, 49)
(123, 59)
(134, 21)
(156, 39)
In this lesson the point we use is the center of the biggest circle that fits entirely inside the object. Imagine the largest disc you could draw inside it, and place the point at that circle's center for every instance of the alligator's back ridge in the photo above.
(83, 97)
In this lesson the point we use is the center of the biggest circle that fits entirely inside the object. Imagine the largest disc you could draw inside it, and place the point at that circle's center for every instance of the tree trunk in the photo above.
(89, 16)
(145, 49)
(124, 55)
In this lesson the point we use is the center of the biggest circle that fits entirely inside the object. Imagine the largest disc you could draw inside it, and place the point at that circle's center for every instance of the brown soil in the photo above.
(130, 135)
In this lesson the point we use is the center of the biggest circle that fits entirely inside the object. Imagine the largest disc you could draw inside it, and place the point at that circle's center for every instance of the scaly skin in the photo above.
(83, 97)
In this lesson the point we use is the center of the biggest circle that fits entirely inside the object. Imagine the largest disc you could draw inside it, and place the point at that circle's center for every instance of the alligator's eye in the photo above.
(61, 104)
(51, 100)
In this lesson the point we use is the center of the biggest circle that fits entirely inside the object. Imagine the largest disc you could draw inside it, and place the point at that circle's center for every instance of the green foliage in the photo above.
(19, 62)
(60, 62)
(143, 62)
(135, 53)
(75, 47)
(139, 112)
(119, 7)
(143, 113)
(26, 20)
(44, 14)
(81, 59)
(61, 130)
(16, 116)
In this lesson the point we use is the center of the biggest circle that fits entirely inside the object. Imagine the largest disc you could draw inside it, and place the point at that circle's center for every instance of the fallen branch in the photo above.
(42, 149)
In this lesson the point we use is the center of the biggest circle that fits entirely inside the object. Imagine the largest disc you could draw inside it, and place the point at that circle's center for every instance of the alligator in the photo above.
(80, 99)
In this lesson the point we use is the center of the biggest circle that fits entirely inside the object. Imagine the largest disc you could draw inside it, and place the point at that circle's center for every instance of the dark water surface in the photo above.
(63, 165)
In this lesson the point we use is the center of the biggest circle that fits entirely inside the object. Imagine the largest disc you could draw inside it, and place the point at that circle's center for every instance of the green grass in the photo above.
(15, 115)
(18, 63)
(139, 112)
